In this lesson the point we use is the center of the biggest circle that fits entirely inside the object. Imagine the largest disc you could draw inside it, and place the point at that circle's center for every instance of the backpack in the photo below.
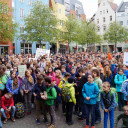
(58, 90)
(113, 90)
(20, 110)
(66, 94)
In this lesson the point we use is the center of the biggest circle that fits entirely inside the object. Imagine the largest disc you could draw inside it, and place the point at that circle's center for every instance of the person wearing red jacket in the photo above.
(7, 105)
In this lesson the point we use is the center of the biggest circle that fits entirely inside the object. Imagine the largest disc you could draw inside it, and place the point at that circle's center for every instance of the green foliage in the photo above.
(40, 25)
(7, 26)
(116, 33)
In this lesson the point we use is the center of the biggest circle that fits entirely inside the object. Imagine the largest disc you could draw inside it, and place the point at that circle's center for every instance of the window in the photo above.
(29, 2)
(121, 22)
(97, 21)
(104, 28)
(21, 12)
(26, 48)
(21, 30)
(59, 11)
(61, 22)
(22, 1)
(98, 28)
(103, 19)
(100, 12)
(110, 18)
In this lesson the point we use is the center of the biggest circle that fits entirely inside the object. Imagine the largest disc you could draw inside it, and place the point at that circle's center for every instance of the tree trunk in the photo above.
(68, 46)
(115, 46)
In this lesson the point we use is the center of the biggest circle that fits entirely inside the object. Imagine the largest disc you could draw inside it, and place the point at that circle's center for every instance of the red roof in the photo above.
(113, 6)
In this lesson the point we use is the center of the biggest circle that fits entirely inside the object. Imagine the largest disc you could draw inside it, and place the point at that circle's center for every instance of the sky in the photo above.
(90, 6)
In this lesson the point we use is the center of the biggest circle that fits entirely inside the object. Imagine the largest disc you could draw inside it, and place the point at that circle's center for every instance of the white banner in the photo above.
(41, 52)
(126, 58)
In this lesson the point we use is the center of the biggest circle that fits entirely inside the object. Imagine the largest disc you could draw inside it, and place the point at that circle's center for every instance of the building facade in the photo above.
(21, 9)
(62, 9)
(122, 18)
(105, 14)
(6, 47)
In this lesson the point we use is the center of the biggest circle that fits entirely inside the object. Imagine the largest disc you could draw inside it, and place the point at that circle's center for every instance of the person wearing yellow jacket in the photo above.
(61, 86)
(69, 98)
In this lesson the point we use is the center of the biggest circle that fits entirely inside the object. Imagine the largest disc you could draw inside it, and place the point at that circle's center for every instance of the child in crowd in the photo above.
(61, 85)
(108, 104)
(90, 93)
(68, 94)
(63, 70)
(7, 105)
(124, 118)
(38, 90)
(51, 96)
(98, 81)
(27, 85)
(13, 86)
(119, 79)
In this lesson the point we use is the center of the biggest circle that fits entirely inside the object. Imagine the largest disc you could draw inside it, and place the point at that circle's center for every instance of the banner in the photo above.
(21, 70)
(125, 58)
(41, 52)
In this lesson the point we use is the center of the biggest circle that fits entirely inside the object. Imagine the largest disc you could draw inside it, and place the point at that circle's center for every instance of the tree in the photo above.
(87, 34)
(116, 33)
(40, 25)
(70, 28)
(7, 26)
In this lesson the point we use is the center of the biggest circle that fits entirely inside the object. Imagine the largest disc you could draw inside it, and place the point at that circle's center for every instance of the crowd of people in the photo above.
(80, 83)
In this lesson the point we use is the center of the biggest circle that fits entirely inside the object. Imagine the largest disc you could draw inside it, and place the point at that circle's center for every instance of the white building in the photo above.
(122, 18)
(105, 14)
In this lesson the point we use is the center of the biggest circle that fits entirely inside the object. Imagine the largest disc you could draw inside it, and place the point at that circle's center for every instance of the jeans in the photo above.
(13, 109)
(97, 112)
(69, 110)
(90, 108)
(82, 107)
(0, 123)
(111, 117)
(121, 101)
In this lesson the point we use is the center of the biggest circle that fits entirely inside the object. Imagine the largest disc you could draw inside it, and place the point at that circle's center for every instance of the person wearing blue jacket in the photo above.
(125, 91)
(12, 86)
(125, 70)
(90, 93)
(119, 79)
(108, 104)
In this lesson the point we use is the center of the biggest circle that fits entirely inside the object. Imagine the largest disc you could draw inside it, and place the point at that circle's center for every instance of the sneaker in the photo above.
(52, 126)
(38, 122)
(81, 119)
(70, 123)
(13, 119)
(5, 121)
(97, 122)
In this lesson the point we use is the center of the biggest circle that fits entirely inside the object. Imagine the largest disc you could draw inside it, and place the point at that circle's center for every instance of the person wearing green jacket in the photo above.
(68, 94)
(51, 96)
(98, 81)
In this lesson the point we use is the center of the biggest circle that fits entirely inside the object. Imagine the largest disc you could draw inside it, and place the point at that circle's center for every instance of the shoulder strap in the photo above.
(117, 77)
(50, 91)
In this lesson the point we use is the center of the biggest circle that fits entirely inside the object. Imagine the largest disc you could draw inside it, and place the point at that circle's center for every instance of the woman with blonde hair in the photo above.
(48, 64)
(58, 77)
(27, 85)
(107, 74)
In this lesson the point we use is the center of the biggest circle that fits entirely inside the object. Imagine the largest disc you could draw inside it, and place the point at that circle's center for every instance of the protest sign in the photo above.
(41, 52)
(21, 70)
(126, 58)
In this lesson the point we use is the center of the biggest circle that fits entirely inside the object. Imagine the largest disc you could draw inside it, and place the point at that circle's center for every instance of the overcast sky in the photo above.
(90, 6)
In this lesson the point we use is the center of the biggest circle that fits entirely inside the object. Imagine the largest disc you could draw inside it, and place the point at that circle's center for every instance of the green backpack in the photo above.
(66, 94)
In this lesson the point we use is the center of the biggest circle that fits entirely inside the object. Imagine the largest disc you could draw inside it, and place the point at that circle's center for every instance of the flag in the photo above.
(109, 56)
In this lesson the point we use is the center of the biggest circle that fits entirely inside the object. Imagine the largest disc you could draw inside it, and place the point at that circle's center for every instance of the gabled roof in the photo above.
(113, 5)
(122, 7)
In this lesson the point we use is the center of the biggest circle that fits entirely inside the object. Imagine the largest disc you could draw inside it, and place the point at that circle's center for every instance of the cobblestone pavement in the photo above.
(30, 122)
